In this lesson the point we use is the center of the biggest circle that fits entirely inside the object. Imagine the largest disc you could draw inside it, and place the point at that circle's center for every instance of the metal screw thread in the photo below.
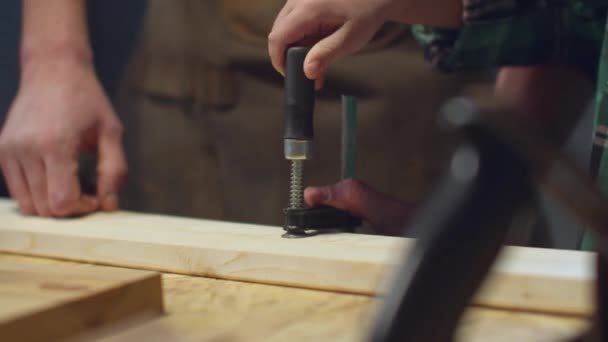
(296, 187)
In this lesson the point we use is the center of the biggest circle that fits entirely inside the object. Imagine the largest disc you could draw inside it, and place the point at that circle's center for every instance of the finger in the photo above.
(287, 8)
(64, 192)
(347, 195)
(319, 82)
(35, 176)
(360, 200)
(17, 186)
(111, 167)
(287, 30)
(347, 39)
(285, 11)
(326, 51)
(86, 205)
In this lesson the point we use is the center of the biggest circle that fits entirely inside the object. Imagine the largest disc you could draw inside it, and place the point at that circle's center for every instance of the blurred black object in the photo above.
(494, 170)
(465, 223)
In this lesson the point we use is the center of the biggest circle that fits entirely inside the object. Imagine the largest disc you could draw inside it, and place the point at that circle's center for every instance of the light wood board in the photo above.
(478, 325)
(524, 278)
(50, 302)
(204, 309)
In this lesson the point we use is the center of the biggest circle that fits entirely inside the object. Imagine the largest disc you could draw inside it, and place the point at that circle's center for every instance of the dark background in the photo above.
(113, 29)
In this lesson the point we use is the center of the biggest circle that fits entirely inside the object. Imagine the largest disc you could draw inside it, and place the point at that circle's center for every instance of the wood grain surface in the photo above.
(530, 279)
(204, 309)
(42, 302)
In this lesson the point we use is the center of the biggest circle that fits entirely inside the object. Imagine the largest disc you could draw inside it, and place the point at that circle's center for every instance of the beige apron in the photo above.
(203, 112)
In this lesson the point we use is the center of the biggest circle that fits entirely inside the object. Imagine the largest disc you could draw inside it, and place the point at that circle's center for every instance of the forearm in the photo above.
(54, 29)
(435, 13)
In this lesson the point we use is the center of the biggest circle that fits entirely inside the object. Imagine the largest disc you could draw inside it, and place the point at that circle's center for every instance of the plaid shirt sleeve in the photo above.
(517, 32)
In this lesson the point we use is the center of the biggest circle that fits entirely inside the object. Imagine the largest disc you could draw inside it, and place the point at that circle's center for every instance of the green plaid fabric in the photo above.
(530, 32)
(599, 151)
(519, 32)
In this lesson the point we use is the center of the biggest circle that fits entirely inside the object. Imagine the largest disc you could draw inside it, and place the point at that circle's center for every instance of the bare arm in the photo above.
(54, 30)
(60, 112)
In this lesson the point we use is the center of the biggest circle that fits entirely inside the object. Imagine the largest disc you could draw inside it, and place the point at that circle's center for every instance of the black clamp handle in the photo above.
(299, 96)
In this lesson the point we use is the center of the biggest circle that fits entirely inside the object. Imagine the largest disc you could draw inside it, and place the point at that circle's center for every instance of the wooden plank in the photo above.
(524, 278)
(203, 309)
(482, 325)
(200, 309)
(479, 325)
(51, 302)
(237, 311)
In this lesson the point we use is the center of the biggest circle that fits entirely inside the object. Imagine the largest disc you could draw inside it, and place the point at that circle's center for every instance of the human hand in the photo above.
(386, 214)
(61, 111)
(335, 27)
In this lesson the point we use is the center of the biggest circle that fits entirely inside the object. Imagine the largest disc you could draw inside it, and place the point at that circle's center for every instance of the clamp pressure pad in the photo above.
(312, 221)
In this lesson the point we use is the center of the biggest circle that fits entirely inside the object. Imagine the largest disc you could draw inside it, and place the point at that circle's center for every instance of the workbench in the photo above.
(204, 308)
(199, 308)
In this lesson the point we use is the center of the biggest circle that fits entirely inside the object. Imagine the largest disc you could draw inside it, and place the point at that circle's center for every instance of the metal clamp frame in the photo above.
(492, 173)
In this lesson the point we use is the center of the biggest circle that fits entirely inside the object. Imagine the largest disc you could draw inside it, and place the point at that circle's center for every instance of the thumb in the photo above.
(111, 166)
(347, 195)
(385, 213)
